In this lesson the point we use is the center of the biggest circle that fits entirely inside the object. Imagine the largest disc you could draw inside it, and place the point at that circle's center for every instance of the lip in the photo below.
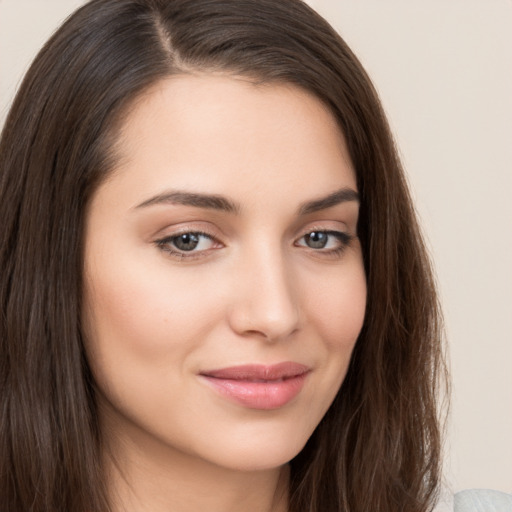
(255, 386)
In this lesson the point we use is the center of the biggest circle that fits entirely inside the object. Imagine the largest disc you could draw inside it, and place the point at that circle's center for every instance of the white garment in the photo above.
(482, 500)
(474, 500)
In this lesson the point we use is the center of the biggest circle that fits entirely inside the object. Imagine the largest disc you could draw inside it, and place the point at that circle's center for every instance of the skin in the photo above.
(252, 291)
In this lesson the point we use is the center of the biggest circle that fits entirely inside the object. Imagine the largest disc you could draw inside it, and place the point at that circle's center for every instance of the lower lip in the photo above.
(266, 395)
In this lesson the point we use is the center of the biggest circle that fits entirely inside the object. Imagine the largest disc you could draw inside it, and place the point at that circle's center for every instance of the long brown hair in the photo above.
(378, 447)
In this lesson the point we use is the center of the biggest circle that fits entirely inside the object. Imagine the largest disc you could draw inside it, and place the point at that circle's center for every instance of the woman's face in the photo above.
(224, 283)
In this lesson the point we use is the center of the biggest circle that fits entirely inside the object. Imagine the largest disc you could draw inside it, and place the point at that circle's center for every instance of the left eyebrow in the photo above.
(340, 196)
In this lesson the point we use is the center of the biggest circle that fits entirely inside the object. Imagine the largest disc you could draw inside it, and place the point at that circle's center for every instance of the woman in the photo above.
(214, 291)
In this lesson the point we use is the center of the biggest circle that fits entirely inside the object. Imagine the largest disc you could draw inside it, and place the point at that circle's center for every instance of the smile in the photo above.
(259, 386)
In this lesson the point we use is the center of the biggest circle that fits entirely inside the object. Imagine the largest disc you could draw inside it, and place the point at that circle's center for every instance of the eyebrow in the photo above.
(340, 196)
(221, 203)
(208, 201)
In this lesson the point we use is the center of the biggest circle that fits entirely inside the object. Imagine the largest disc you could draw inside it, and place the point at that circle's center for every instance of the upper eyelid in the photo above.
(218, 234)
(173, 231)
(345, 236)
(171, 236)
(326, 229)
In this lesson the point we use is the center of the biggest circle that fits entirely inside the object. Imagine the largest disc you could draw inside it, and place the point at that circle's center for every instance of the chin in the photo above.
(249, 460)
(268, 450)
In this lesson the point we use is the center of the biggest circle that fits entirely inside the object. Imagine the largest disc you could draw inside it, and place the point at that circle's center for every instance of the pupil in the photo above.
(186, 242)
(317, 240)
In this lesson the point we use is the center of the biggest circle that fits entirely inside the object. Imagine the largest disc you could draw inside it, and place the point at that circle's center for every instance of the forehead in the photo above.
(220, 132)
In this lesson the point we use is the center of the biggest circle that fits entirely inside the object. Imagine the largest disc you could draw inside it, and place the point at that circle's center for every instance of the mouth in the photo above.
(259, 386)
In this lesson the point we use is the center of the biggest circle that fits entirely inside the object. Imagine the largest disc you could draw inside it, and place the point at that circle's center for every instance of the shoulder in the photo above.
(482, 500)
(474, 500)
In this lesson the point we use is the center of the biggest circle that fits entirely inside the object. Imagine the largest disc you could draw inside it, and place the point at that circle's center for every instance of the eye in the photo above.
(325, 240)
(188, 243)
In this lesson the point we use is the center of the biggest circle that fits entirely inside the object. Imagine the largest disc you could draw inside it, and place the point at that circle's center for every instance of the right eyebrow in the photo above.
(208, 201)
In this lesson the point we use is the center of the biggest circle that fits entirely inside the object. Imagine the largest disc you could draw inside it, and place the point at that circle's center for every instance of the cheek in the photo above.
(141, 333)
(138, 317)
(339, 309)
(335, 310)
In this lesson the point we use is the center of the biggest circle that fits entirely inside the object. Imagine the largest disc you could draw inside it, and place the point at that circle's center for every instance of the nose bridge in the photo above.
(266, 302)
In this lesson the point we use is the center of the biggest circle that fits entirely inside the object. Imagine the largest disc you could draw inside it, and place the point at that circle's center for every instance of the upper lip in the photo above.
(259, 372)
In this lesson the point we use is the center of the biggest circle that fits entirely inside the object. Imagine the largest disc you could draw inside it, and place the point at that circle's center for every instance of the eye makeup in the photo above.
(190, 244)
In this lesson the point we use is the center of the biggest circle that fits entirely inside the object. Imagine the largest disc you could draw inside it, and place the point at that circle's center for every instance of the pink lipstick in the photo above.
(259, 386)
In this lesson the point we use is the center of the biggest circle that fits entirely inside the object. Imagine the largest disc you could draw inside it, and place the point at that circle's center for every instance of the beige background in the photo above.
(444, 72)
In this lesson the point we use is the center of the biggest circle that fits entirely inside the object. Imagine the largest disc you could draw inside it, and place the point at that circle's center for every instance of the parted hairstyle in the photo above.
(378, 447)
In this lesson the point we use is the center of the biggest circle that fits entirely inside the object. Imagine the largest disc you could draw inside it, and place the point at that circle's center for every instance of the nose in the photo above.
(265, 301)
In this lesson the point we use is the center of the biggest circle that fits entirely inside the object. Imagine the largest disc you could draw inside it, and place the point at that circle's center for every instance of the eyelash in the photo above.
(342, 237)
(166, 243)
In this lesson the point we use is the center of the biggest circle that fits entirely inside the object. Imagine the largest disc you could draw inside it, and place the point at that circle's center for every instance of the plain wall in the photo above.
(444, 72)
